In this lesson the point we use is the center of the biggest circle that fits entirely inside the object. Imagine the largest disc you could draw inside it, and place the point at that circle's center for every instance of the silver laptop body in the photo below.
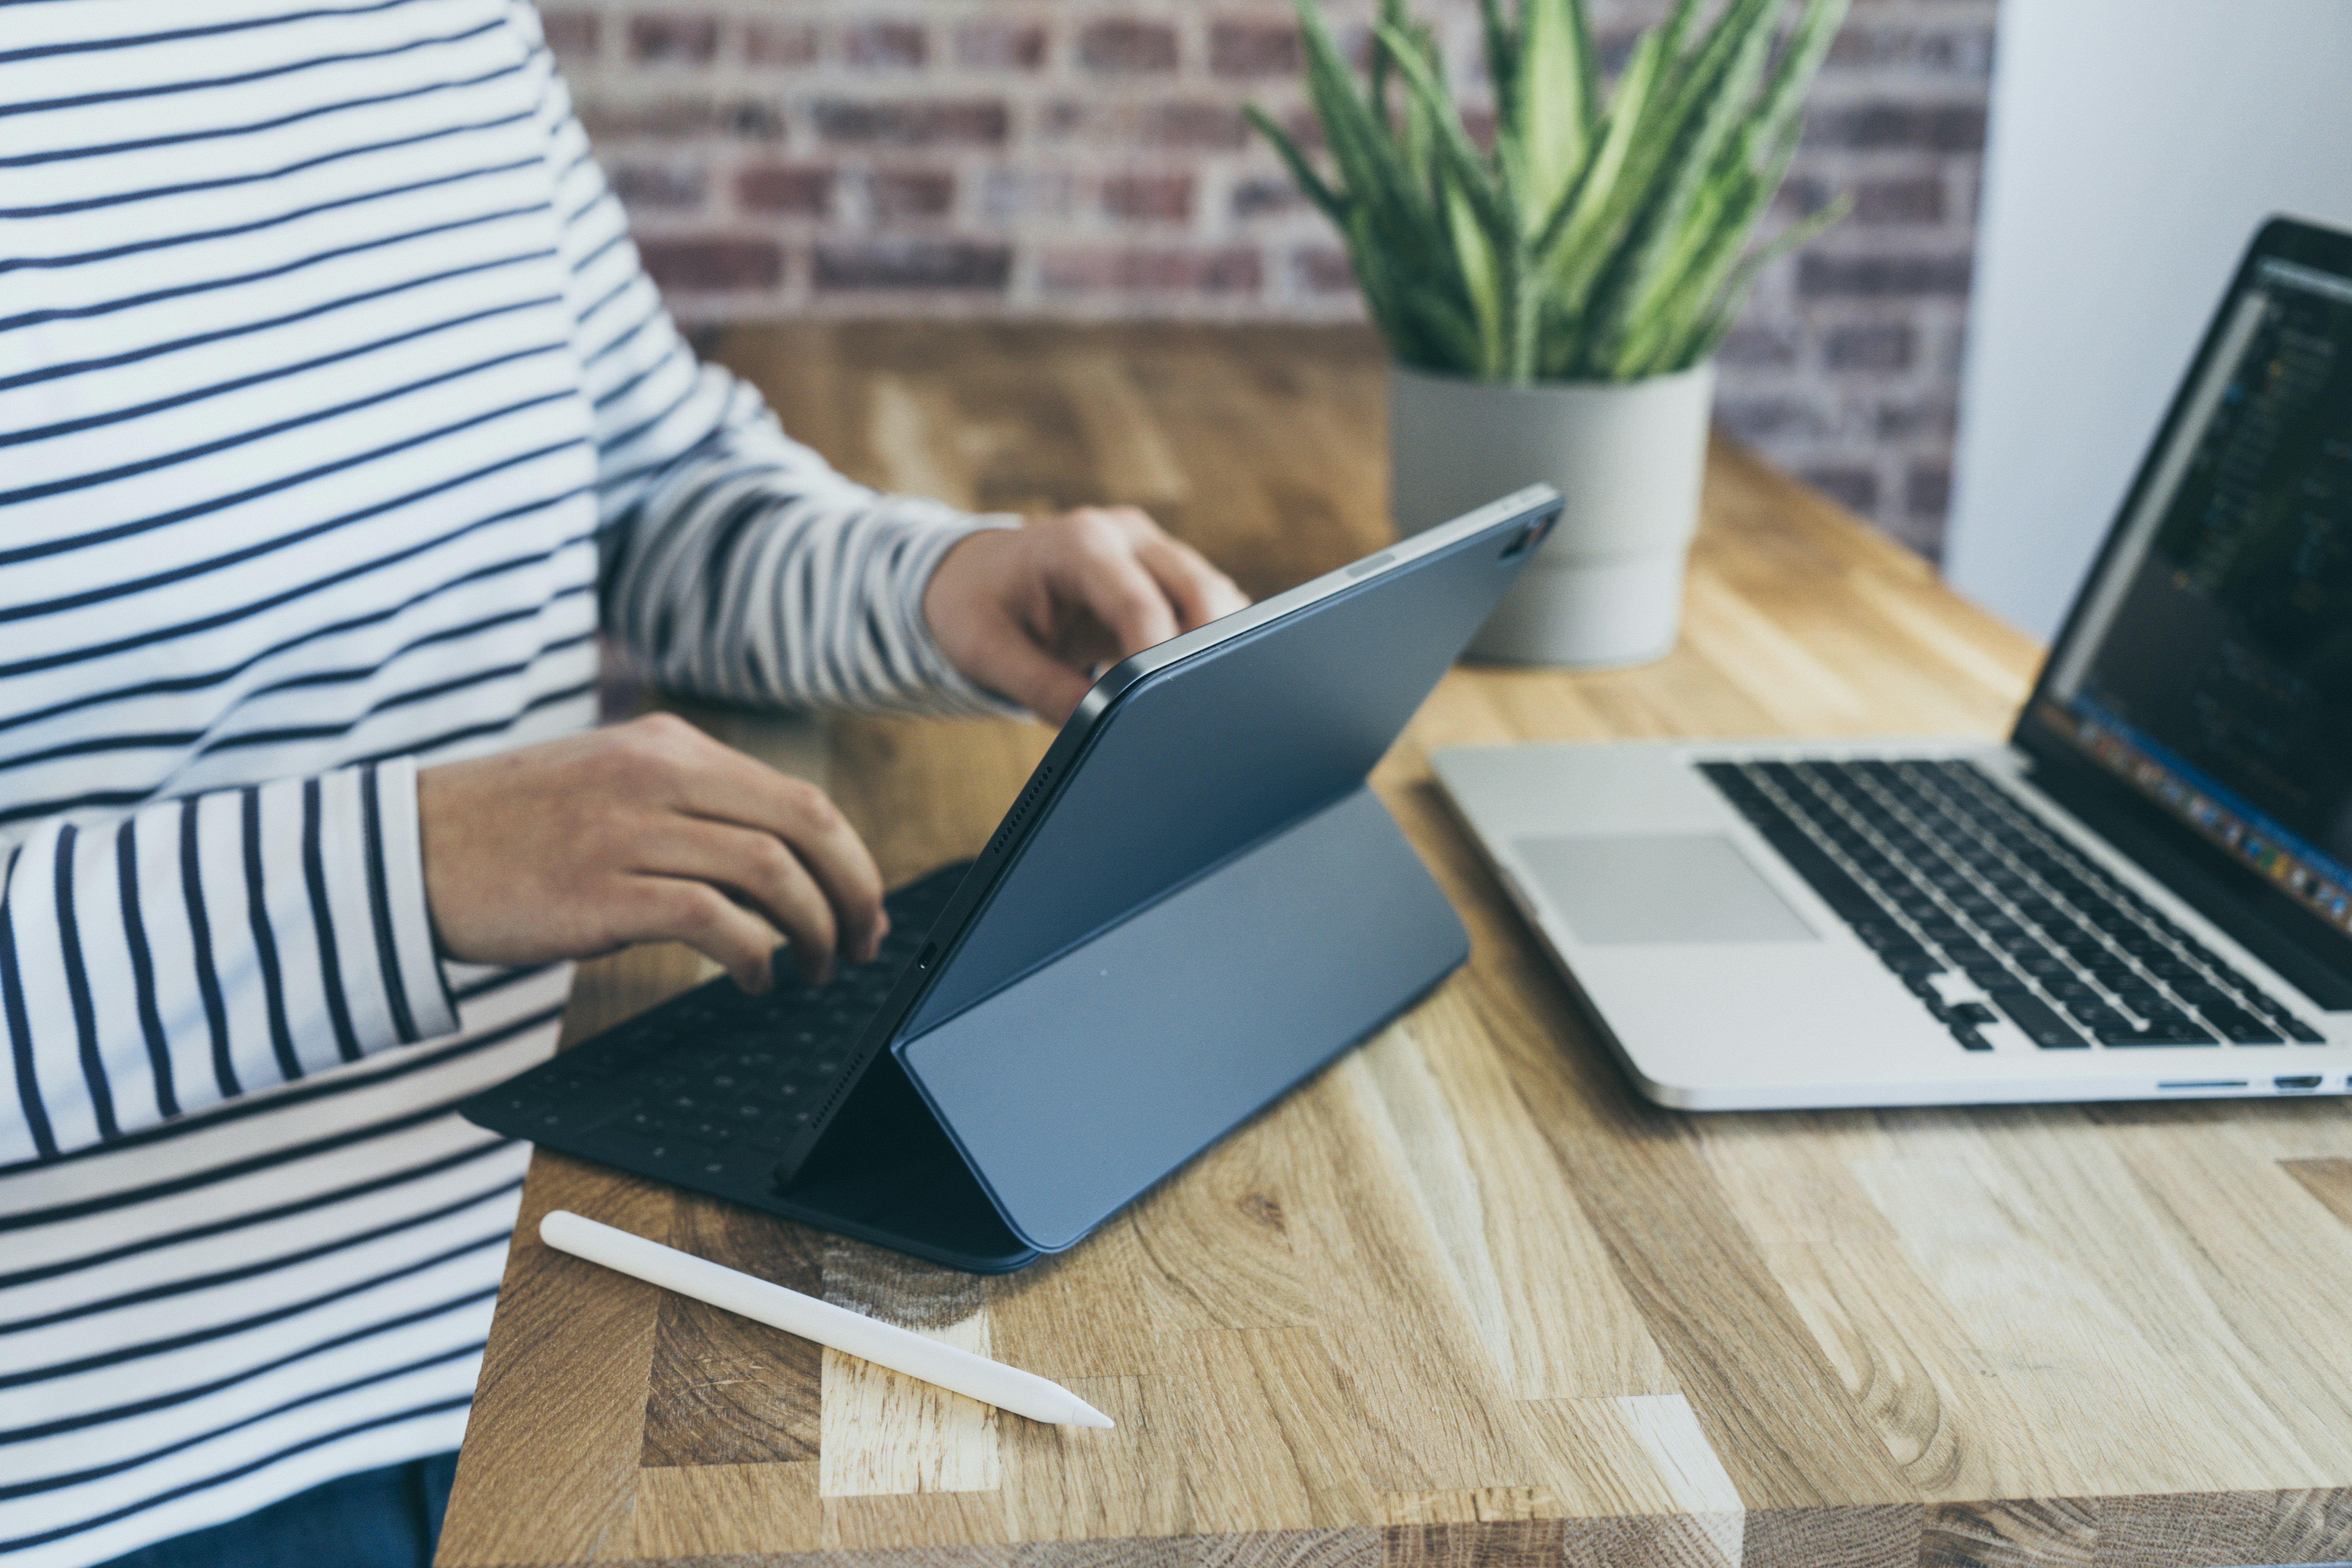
(2146, 894)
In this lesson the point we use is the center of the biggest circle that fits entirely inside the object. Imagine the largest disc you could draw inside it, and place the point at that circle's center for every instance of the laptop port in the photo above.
(2289, 1082)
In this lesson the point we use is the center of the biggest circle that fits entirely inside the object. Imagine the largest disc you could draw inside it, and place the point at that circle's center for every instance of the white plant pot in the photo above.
(1607, 587)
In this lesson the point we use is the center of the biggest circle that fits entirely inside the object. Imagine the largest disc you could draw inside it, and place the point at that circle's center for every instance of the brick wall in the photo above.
(1089, 158)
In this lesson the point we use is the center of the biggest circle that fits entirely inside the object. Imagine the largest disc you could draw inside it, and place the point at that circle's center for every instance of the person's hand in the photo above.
(648, 831)
(1034, 612)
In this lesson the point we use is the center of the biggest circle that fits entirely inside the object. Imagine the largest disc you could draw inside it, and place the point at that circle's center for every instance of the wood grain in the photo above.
(1464, 1299)
(725, 1390)
(566, 1376)
(2059, 1532)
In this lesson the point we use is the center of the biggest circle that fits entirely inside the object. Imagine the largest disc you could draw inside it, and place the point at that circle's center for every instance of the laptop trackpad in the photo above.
(1658, 888)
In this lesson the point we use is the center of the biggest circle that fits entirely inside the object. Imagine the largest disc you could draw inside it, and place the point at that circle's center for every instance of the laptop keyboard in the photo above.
(707, 1089)
(1987, 915)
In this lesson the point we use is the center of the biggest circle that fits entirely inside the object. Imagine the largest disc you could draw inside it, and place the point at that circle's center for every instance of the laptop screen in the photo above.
(2208, 666)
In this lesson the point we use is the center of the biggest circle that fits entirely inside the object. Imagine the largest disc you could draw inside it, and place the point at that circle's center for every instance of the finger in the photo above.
(704, 918)
(763, 869)
(725, 786)
(1033, 677)
(1199, 591)
(1113, 586)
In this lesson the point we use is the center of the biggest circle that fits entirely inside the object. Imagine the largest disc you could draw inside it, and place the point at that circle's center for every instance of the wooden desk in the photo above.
(1463, 1301)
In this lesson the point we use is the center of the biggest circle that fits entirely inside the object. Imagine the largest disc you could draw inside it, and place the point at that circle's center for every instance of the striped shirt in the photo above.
(336, 416)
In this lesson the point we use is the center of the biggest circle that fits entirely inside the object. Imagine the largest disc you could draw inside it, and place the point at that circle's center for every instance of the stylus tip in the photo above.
(1085, 1414)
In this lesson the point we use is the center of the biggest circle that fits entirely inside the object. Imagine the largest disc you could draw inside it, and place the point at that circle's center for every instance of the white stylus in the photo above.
(854, 1333)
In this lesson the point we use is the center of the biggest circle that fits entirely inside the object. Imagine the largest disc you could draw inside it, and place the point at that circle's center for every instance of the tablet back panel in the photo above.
(1212, 751)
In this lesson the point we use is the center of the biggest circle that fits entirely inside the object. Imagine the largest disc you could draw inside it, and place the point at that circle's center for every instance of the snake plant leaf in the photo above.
(1780, 116)
(1487, 225)
(1656, 323)
(1502, 65)
(1334, 206)
(1393, 12)
(1366, 158)
(1725, 309)
(1633, 277)
(1596, 240)
(1710, 236)
(1581, 242)
(1654, 345)
(1547, 109)
(1480, 269)
(1589, 61)
(1486, 244)
(1677, 27)
(1464, 163)
(1696, 74)
(1418, 118)
(1693, 85)
(1423, 326)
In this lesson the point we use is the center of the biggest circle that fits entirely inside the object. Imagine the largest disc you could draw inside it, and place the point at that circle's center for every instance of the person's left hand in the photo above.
(1033, 612)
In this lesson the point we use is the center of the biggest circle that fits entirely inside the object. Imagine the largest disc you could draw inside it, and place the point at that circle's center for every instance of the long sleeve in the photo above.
(207, 947)
(736, 562)
(441, 449)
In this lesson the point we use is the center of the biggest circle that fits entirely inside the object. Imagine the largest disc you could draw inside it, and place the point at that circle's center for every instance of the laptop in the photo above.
(2147, 893)
(1194, 902)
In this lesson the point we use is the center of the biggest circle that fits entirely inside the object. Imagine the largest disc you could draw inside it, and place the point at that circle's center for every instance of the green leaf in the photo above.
(1552, 125)
(1640, 262)
(1677, 27)
(1465, 166)
(1710, 233)
(1334, 206)
(1695, 75)
(1726, 309)
(1577, 244)
(1479, 269)
(1502, 67)
(1781, 116)
(1392, 11)
(1712, 245)
(1594, 240)
(1400, 208)
(1424, 325)
(1487, 244)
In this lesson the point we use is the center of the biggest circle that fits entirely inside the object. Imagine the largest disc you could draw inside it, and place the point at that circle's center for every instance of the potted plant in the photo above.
(1550, 303)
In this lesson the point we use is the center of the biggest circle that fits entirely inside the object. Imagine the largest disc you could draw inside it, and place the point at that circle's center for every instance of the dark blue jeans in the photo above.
(378, 1519)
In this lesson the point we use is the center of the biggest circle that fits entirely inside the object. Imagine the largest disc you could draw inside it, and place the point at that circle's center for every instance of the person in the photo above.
(337, 423)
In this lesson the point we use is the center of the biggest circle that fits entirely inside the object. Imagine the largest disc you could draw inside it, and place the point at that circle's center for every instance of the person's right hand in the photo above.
(648, 831)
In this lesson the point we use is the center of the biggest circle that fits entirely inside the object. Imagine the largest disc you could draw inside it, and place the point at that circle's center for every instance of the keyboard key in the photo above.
(2158, 1034)
(2270, 1008)
(1884, 935)
(1929, 838)
(2041, 1024)
(713, 1066)
(2243, 1028)
(2099, 1019)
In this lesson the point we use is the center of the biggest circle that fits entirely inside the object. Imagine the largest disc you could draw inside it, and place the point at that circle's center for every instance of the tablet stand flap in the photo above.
(1073, 1089)
(885, 1173)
